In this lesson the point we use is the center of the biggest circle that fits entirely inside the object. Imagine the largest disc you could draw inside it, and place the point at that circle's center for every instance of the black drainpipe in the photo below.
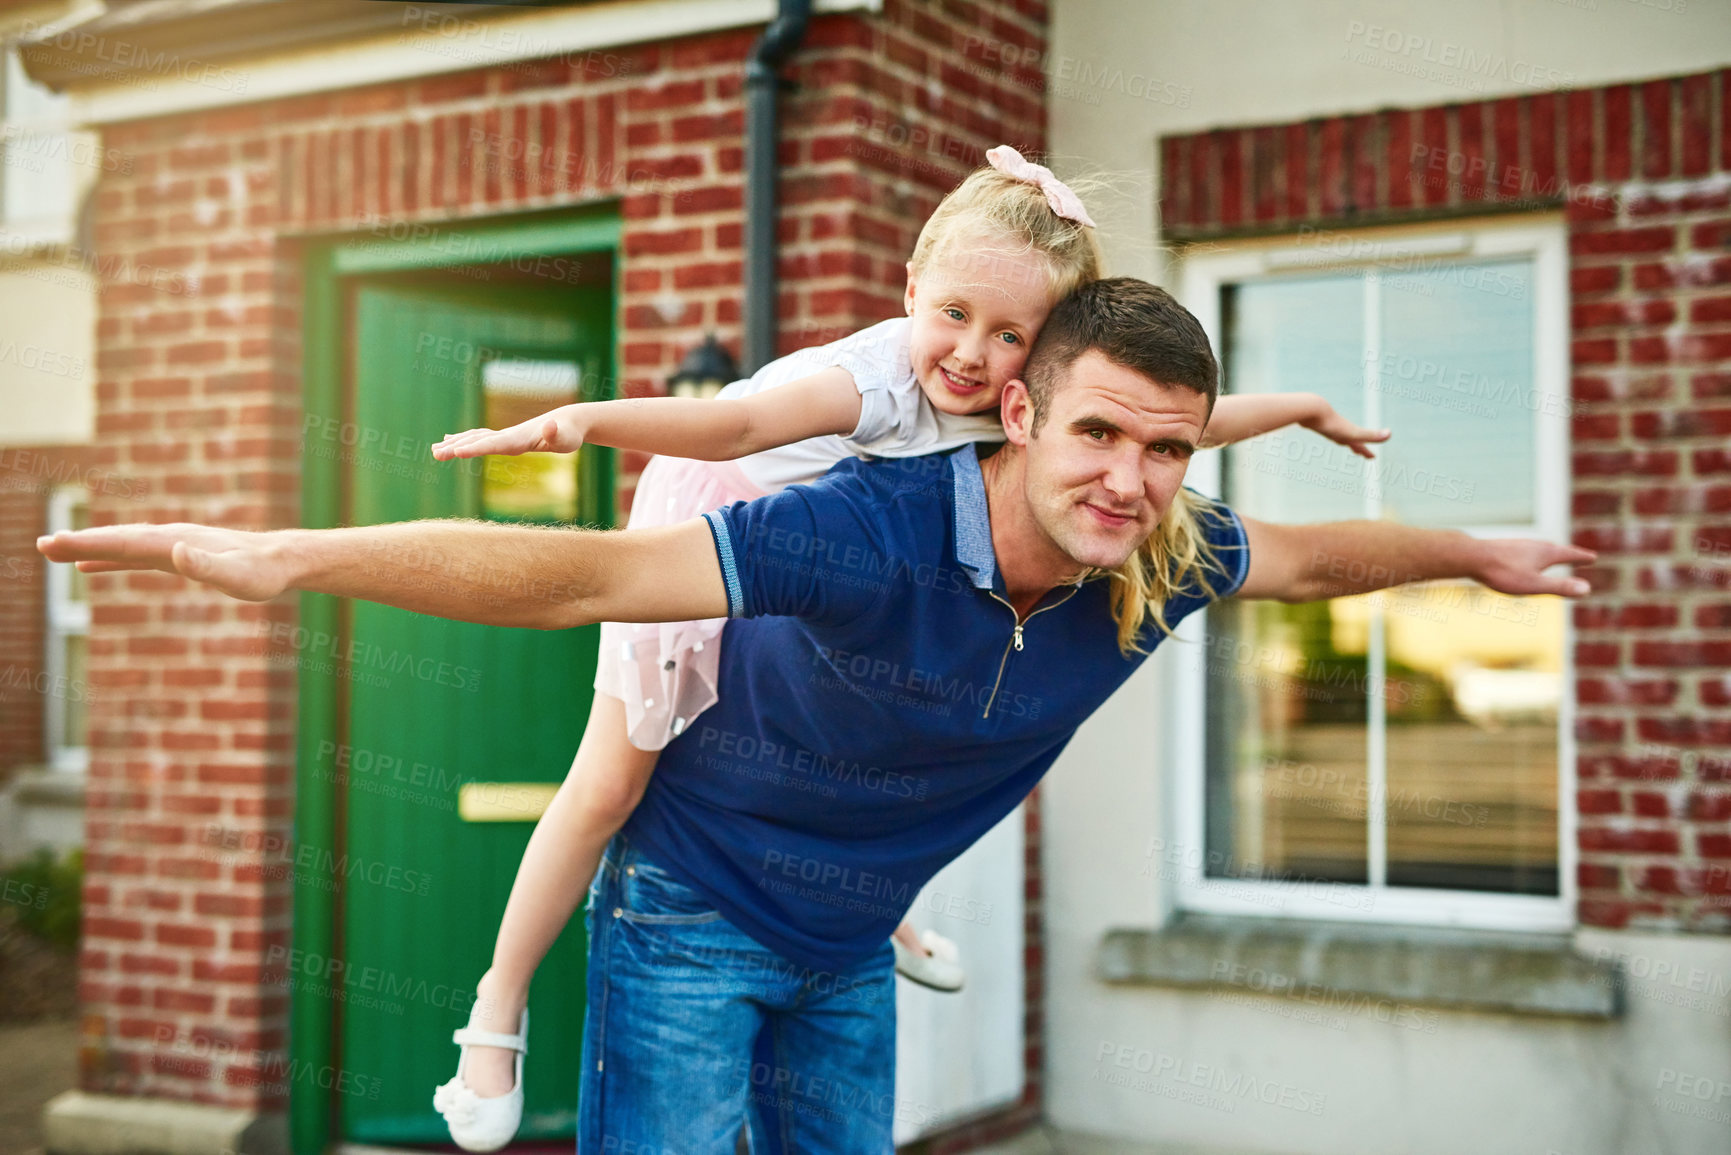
(761, 209)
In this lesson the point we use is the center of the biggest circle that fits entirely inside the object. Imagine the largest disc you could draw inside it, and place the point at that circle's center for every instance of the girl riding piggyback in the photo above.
(994, 258)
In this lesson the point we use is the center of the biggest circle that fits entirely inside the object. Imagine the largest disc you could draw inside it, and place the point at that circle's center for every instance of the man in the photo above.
(923, 643)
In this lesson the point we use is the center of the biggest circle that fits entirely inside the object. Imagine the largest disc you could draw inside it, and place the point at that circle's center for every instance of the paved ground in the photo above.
(38, 1033)
(37, 1061)
(1038, 1141)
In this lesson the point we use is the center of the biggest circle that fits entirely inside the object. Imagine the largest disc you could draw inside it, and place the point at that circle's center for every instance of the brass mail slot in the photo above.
(504, 801)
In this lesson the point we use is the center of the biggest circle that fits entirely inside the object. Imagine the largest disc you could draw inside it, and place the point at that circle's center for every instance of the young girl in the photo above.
(996, 255)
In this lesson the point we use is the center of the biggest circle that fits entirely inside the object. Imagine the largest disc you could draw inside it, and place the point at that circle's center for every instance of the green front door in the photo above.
(425, 707)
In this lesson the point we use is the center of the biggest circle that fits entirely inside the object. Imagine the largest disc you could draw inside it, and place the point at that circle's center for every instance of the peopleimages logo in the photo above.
(361, 656)
(832, 876)
(89, 46)
(34, 149)
(831, 884)
(23, 893)
(834, 558)
(42, 360)
(326, 976)
(1446, 61)
(281, 857)
(473, 248)
(1231, 1087)
(256, 1067)
(33, 680)
(749, 749)
(23, 469)
(911, 686)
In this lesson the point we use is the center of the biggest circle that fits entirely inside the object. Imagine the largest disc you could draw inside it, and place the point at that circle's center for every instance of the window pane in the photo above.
(1301, 335)
(1286, 744)
(1474, 684)
(530, 486)
(1456, 383)
(1286, 706)
(77, 585)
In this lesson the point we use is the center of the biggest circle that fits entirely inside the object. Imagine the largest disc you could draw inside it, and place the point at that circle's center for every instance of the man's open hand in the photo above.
(1517, 566)
(243, 565)
(1336, 559)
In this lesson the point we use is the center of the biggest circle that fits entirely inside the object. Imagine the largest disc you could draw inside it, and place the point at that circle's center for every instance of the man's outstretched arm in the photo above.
(1303, 563)
(472, 571)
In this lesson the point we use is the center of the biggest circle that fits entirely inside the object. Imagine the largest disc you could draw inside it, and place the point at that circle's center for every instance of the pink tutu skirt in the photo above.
(666, 672)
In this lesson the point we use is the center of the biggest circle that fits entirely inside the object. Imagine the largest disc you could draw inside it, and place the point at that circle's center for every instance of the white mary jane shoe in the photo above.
(477, 1123)
(941, 970)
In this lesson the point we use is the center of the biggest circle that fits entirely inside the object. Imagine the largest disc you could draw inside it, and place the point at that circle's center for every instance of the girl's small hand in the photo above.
(1343, 432)
(537, 435)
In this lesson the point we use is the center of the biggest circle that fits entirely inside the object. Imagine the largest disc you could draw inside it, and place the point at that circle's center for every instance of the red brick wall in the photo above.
(199, 396)
(1643, 174)
(27, 475)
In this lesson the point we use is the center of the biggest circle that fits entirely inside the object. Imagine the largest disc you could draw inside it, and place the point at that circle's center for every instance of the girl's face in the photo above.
(973, 325)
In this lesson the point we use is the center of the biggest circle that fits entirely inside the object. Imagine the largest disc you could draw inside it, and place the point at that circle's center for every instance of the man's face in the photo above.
(1112, 452)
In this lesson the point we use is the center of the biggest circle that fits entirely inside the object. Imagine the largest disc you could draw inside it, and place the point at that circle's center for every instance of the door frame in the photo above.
(330, 266)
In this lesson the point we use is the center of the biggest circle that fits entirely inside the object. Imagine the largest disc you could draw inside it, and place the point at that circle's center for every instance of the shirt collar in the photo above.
(973, 523)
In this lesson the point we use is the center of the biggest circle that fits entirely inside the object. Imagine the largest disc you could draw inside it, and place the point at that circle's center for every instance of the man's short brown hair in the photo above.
(1130, 323)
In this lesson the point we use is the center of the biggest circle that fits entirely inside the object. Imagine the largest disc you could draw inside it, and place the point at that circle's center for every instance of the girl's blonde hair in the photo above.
(992, 215)
(1176, 560)
(1013, 218)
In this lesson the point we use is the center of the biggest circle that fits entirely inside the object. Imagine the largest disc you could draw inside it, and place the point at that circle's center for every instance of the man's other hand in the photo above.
(1517, 566)
(243, 565)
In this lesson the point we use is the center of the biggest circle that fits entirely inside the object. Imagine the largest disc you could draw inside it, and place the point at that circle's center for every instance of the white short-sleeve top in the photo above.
(895, 420)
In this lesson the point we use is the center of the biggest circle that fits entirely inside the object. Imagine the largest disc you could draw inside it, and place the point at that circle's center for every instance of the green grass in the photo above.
(44, 895)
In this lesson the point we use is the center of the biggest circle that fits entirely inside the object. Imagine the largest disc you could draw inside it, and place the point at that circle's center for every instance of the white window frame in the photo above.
(1201, 277)
(63, 618)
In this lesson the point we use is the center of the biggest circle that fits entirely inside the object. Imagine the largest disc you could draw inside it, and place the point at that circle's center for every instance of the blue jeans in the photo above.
(677, 1000)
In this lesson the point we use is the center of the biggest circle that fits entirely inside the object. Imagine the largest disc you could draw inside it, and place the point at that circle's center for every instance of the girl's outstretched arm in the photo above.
(1248, 414)
(827, 402)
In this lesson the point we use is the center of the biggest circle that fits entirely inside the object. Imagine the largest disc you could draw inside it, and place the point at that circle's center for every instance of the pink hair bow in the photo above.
(1064, 202)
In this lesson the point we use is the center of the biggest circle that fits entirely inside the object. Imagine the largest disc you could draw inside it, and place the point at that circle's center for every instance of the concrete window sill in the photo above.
(1460, 969)
(42, 786)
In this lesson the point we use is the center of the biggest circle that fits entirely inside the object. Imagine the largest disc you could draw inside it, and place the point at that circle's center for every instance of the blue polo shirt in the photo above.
(880, 710)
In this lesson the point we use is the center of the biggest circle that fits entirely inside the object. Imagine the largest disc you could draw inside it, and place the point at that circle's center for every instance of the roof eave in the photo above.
(135, 41)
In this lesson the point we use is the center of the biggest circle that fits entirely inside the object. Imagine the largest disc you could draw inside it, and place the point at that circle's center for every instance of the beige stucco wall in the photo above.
(47, 353)
(1481, 1083)
(47, 294)
(1122, 73)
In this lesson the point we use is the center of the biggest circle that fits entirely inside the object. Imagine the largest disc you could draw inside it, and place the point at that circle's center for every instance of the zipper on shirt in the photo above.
(1015, 641)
